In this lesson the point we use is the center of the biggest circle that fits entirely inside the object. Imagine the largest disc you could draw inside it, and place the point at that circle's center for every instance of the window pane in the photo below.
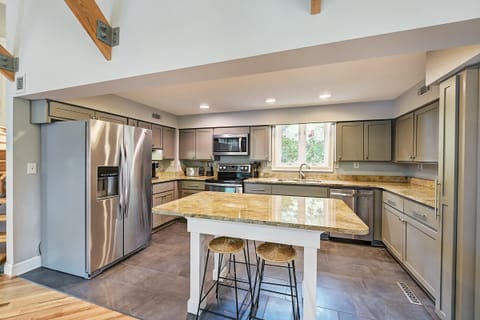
(289, 143)
(315, 143)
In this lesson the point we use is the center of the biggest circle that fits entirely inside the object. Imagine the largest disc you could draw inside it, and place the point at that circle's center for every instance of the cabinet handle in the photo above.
(418, 215)
(438, 186)
(258, 190)
(366, 157)
(339, 158)
(392, 203)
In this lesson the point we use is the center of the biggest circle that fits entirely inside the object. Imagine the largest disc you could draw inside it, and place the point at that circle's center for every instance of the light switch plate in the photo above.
(31, 168)
(356, 165)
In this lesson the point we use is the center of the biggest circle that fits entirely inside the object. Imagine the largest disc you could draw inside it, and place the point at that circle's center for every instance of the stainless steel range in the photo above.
(230, 178)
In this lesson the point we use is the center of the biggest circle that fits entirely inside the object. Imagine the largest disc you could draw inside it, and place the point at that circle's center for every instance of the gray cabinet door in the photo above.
(258, 188)
(132, 122)
(260, 141)
(145, 125)
(377, 138)
(168, 143)
(157, 139)
(426, 133)
(404, 138)
(187, 144)
(392, 231)
(110, 117)
(203, 144)
(422, 256)
(349, 141)
(69, 112)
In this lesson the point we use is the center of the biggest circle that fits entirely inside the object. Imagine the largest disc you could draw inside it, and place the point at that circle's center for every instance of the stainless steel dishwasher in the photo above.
(362, 202)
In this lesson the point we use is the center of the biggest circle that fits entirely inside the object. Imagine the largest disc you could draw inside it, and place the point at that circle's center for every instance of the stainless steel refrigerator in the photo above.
(96, 194)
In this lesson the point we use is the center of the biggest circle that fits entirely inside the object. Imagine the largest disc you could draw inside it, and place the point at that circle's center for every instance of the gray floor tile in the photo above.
(355, 282)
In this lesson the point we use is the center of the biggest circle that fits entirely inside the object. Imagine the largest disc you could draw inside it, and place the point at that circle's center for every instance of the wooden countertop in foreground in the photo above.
(320, 214)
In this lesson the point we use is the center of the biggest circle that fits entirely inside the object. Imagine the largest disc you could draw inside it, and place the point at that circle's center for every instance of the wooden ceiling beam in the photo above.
(315, 6)
(10, 75)
(87, 13)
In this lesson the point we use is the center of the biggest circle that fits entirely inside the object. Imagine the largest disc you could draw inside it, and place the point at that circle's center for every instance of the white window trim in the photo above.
(331, 141)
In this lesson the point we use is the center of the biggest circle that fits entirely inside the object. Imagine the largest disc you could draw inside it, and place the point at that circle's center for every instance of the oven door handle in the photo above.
(222, 185)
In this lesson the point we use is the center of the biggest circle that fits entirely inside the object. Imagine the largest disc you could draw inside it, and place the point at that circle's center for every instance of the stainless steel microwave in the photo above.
(230, 144)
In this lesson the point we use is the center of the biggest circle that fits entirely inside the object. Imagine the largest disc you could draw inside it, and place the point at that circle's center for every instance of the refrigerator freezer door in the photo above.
(138, 188)
(104, 219)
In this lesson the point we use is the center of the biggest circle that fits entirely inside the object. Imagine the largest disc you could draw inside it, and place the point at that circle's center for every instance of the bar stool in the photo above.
(232, 246)
(277, 253)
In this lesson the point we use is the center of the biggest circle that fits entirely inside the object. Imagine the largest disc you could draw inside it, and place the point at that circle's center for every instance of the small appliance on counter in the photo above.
(154, 168)
(194, 171)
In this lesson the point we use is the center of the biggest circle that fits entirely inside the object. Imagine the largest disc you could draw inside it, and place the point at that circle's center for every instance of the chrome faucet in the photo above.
(301, 175)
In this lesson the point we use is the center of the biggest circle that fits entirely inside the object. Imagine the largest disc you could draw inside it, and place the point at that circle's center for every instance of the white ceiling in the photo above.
(354, 81)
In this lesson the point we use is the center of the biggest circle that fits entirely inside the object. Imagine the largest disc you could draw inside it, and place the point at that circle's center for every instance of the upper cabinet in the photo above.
(260, 141)
(45, 111)
(157, 137)
(168, 143)
(145, 125)
(196, 144)
(364, 141)
(417, 135)
(110, 117)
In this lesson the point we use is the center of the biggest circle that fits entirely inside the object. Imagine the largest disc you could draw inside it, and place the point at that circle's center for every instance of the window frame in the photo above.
(329, 139)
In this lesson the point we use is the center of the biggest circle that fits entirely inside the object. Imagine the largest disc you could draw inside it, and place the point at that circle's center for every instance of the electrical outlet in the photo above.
(356, 165)
(32, 168)
(420, 166)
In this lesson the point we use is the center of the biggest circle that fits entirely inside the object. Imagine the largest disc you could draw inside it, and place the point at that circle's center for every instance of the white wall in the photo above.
(410, 100)
(23, 191)
(156, 36)
(118, 105)
(341, 112)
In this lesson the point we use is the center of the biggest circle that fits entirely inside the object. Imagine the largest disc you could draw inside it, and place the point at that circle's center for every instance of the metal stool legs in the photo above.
(216, 284)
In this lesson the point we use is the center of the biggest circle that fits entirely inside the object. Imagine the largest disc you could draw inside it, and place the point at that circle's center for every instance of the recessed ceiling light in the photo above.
(325, 95)
(204, 106)
(270, 100)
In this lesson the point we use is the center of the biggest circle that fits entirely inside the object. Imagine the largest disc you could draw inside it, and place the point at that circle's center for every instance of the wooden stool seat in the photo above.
(275, 252)
(226, 245)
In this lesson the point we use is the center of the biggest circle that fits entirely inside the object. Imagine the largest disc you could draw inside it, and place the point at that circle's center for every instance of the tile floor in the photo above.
(354, 282)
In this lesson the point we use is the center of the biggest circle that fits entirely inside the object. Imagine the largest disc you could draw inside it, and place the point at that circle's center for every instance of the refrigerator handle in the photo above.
(126, 183)
(121, 186)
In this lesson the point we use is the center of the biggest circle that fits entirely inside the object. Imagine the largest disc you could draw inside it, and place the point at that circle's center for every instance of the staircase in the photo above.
(3, 199)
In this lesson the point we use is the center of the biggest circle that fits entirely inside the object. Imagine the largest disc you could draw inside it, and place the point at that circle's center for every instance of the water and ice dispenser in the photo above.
(107, 182)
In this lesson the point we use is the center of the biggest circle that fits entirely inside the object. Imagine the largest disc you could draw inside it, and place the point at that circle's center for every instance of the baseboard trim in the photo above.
(23, 266)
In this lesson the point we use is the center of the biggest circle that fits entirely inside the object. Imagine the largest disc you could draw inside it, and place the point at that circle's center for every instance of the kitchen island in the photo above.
(297, 221)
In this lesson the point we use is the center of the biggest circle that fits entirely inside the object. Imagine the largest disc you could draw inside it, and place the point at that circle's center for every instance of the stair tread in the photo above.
(3, 218)
(3, 258)
(3, 237)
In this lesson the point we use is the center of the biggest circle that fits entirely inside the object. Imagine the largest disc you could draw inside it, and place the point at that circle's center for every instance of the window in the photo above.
(309, 143)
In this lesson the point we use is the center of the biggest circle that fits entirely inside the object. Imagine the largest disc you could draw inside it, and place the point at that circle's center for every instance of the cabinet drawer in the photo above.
(421, 213)
(195, 185)
(303, 191)
(258, 188)
(162, 187)
(163, 197)
(393, 200)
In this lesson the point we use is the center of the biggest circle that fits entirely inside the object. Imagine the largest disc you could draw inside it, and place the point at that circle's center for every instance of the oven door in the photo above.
(223, 187)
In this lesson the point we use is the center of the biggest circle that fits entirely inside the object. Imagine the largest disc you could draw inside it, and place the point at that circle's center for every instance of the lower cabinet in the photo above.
(392, 231)
(162, 193)
(410, 234)
(188, 187)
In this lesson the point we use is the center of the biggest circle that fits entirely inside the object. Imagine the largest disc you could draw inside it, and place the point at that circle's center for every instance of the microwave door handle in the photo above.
(240, 144)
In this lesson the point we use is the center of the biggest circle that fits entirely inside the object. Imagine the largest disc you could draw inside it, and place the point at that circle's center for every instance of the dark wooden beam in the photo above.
(10, 75)
(87, 13)
(315, 6)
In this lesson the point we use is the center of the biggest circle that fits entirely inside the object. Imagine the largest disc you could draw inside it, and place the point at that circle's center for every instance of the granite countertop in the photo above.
(422, 191)
(320, 214)
(175, 177)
